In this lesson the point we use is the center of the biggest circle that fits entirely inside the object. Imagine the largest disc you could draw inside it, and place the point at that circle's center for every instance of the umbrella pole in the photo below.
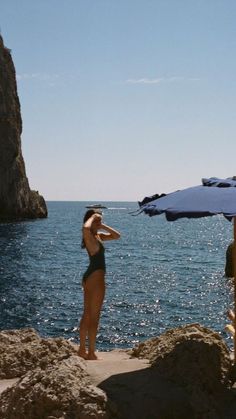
(234, 269)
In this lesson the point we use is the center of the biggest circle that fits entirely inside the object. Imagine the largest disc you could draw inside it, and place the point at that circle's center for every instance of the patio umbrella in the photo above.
(213, 196)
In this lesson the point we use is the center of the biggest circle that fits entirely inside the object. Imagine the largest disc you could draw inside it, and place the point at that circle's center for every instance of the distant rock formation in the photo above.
(17, 201)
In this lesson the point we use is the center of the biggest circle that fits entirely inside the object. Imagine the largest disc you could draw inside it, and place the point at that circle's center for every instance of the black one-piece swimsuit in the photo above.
(96, 262)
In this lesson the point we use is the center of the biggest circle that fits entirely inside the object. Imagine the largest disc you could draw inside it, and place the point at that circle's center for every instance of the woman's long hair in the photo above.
(87, 215)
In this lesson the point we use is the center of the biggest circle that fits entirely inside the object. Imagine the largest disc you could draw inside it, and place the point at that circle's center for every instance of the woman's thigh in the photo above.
(94, 292)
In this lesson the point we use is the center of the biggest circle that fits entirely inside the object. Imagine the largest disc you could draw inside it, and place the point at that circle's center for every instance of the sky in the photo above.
(122, 99)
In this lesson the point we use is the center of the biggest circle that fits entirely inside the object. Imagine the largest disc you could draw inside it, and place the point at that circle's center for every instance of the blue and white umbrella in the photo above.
(213, 196)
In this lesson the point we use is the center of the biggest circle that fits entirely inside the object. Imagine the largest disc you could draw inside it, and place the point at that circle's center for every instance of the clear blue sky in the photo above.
(123, 98)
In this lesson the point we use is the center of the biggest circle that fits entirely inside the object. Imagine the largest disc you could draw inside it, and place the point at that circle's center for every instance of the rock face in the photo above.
(54, 382)
(23, 350)
(193, 345)
(195, 359)
(17, 201)
(60, 391)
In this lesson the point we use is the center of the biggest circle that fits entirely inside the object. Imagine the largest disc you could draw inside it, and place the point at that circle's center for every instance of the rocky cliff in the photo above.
(17, 201)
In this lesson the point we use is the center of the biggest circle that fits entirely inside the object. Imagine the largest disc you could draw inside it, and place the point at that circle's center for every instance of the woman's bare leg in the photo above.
(83, 329)
(95, 292)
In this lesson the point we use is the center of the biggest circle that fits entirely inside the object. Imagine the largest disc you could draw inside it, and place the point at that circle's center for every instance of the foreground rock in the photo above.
(187, 377)
(17, 201)
(23, 350)
(61, 390)
(54, 382)
(194, 360)
(192, 354)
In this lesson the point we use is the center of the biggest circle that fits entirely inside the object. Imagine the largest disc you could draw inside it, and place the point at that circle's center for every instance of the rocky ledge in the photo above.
(187, 373)
(17, 201)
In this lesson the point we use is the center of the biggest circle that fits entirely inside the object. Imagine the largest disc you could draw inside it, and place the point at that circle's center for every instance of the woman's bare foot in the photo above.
(83, 354)
(92, 356)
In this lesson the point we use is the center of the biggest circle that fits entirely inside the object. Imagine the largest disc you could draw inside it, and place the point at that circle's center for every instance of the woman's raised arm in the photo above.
(112, 234)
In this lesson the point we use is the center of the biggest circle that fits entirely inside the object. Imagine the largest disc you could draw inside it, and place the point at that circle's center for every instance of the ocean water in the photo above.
(159, 274)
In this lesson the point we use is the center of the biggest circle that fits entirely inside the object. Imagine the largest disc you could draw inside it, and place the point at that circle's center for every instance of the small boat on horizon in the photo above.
(96, 206)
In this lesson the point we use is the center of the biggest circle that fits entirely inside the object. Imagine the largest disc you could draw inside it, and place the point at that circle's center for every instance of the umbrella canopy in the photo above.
(213, 196)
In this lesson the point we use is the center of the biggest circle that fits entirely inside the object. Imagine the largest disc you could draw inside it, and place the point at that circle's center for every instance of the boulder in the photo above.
(17, 201)
(193, 354)
(195, 359)
(23, 350)
(61, 390)
(54, 382)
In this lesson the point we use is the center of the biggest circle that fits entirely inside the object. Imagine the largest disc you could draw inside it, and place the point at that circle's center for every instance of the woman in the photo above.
(93, 278)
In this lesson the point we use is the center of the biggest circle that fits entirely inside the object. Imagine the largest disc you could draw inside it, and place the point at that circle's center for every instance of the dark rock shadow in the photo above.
(145, 394)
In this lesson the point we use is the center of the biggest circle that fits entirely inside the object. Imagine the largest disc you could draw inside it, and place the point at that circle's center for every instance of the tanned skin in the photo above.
(94, 286)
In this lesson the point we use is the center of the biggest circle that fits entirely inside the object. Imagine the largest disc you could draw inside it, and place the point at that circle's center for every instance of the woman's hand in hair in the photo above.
(95, 219)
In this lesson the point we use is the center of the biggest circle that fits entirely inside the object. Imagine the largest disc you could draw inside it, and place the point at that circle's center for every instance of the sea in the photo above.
(160, 274)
